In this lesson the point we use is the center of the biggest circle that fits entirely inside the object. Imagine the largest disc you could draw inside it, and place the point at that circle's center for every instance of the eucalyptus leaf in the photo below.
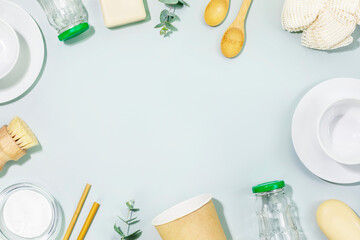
(178, 5)
(170, 19)
(159, 25)
(130, 204)
(134, 235)
(184, 3)
(122, 219)
(130, 220)
(164, 15)
(170, 26)
(133, 222)
(176, 17)
(118, 230)
(168, 34)
(163, 30)
(170, 2)
(171, 14)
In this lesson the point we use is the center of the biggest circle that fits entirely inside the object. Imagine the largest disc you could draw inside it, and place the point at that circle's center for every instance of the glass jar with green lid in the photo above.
(273, 212)
(68, 17)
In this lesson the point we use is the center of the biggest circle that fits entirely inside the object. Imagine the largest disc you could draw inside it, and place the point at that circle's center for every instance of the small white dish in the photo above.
(305, 127)
(9, 48)
(31, 58)
(339, 131)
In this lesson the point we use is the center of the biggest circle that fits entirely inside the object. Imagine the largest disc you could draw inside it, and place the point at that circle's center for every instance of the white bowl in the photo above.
(9, 48)
(339, 131)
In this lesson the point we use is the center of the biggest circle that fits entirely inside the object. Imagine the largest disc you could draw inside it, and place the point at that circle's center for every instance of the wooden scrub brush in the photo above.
(15, 139)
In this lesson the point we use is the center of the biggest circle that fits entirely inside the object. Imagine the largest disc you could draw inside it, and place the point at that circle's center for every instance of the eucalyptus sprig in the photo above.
(168, 17)
(130, 220)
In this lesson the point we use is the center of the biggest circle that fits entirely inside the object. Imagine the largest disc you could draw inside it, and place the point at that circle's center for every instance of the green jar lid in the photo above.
(268, 186)
(74, 31)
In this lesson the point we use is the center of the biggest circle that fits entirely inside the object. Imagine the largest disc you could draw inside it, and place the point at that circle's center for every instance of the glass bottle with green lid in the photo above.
(273, 210)
(68, 17)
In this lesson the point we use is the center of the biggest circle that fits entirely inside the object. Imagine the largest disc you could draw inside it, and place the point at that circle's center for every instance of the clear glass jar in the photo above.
(55, 225)
(274, 213)
(68, 17)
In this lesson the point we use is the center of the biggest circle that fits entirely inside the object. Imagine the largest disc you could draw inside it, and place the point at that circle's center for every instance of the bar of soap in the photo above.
(121, 12)
(338, 221)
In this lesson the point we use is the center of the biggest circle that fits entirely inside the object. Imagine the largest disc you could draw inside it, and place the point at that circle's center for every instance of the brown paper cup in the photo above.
(194, 219)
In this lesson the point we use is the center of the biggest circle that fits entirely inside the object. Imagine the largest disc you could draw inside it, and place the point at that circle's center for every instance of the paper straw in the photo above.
(77, 212)
(88, 221)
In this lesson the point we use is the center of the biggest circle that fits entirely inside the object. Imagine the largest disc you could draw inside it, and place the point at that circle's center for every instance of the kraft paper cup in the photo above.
(193, 219)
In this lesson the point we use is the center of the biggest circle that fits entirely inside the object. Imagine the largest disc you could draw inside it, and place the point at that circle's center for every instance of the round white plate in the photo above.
(304, 129)
(9, 48)
(31, 58)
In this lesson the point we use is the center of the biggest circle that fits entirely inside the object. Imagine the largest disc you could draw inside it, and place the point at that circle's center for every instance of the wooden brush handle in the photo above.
(9, 150)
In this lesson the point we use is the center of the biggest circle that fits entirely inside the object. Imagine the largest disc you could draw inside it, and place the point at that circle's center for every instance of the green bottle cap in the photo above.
(74, 31)
(268, 186)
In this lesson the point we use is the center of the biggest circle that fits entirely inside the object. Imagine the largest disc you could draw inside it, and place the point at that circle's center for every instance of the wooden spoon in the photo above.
(216, 12)
(234, 37)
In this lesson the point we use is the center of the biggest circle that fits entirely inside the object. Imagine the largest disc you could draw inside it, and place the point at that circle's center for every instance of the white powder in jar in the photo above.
(27, 213)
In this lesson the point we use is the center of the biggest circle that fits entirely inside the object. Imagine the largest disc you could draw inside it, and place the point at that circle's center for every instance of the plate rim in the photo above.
(13, 93)
(296, 113)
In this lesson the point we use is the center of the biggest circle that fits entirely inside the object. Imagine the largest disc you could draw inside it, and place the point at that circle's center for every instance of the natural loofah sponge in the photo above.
(297, 15)
(332, 26)
(344, 6)
(330, 30)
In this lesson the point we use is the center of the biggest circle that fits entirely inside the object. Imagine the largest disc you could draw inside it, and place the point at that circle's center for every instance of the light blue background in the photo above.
(162, 120)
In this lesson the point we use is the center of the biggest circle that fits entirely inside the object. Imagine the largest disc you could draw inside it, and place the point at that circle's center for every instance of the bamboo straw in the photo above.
(77, 212)
(88, 221)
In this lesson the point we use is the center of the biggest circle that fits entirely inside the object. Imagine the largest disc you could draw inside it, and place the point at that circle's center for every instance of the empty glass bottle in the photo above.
(274, 213)
(68, 17)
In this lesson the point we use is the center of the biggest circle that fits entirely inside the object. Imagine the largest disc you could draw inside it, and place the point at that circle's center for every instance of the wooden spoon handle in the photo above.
(240, 19)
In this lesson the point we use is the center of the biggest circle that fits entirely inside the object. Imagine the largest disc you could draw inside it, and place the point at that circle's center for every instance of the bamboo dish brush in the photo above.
(15, 139)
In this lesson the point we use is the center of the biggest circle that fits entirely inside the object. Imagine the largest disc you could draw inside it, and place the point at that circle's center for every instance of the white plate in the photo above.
(304, 129)
(9, 48)
(31, 58)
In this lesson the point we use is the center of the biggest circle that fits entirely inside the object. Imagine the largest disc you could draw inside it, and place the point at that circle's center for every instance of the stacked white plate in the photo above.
(326, 130)
(31, 52)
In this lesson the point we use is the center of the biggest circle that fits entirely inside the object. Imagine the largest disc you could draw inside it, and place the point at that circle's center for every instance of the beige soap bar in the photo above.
(338, 221)
(121, 12)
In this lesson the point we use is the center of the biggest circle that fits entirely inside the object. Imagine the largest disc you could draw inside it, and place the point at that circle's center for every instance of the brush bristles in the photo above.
(22, 134)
